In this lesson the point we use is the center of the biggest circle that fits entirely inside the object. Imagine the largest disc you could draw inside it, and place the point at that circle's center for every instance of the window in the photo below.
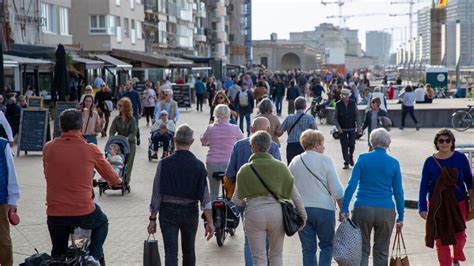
(133, 33)
(48, 12)
(264, 61)
(64, 21)
(117, 2)
(98, 25)
(132, 4)
(139, 30)
(125, 28)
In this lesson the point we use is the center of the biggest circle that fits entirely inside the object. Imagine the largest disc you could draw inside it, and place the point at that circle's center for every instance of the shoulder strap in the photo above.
(309, 170)
(294, 124)
(436, 161)
(263, 183)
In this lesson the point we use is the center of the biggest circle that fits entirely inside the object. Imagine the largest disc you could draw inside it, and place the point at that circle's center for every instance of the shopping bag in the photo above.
(347, 248)
(397, 259)
(151, 255)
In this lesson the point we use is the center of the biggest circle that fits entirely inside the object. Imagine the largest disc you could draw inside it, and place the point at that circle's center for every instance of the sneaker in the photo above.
(91, 261)
(401, 128)
(346, 166)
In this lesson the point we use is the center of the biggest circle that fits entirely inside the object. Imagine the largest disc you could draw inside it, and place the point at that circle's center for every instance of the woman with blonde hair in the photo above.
(91, 122)
(124, 125)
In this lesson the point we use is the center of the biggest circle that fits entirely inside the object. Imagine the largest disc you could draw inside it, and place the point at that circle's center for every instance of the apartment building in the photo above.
(460, 11)
(103, 25)
(429, 24)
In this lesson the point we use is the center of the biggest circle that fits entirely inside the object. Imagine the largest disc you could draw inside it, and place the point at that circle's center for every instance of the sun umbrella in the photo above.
(61, 80)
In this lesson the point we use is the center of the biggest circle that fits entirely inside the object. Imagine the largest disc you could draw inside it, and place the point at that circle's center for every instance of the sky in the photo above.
(285, 16)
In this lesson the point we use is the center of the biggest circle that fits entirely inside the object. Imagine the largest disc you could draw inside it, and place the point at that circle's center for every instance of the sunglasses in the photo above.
(442, 141)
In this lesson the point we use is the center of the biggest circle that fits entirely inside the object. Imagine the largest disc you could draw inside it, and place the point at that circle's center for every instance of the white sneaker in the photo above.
(91, 261)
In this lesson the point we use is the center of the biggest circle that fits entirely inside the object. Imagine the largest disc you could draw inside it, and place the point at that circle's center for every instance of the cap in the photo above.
(346, 92)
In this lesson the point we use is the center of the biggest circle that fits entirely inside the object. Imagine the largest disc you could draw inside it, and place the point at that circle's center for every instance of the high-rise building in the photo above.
(377, 45)
(326, 35)
(462, 11)
(217, 34)
(353, 46)
(429, 32)
(240, 32)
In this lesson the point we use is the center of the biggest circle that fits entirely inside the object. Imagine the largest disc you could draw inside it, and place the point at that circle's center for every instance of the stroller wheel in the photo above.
(123, 191)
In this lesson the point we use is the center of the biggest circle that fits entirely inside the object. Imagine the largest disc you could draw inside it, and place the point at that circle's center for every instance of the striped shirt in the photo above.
(306, 122)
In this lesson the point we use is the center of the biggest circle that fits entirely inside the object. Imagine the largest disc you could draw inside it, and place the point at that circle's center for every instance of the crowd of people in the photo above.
(249, 155)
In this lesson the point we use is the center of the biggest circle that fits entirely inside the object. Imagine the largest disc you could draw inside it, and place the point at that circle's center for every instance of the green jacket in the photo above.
(273, 172)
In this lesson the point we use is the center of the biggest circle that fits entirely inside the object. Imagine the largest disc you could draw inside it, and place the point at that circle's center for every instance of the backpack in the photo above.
(244, 98)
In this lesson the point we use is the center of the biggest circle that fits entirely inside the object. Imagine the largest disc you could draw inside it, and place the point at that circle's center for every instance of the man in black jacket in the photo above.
(346, 119)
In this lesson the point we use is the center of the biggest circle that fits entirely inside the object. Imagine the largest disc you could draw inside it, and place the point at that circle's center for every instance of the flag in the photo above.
(441, 3)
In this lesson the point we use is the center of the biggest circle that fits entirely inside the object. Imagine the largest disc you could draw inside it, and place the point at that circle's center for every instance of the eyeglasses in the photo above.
(442, 141)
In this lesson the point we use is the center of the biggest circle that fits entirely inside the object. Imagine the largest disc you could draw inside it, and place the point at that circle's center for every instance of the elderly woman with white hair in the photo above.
(220, 136)
(377, 177)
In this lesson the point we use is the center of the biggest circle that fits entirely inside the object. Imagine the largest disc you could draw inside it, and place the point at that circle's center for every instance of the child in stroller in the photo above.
(162, 132)
(115, 158)
(117, 151)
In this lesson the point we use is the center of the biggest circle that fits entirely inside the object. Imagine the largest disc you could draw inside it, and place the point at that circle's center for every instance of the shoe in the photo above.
(91, 261)
(154, 156)
(456, 263)
(164, 155)
(138, 143)
(147, 124)
(418, 127)
(346, 166)
(401, 128)
(351, 162)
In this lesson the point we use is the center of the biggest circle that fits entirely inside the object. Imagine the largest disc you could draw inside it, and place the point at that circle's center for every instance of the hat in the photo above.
(346, 92)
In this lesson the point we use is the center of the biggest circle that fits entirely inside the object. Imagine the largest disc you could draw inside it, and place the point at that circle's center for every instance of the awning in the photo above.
(10, 63)
(198, 59)
(32, 51)
(89, 63)
(152, 59)
(113, 62)
(26, 60)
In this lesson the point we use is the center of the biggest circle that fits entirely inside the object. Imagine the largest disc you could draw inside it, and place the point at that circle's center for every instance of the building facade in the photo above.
(102, 25)
(429, 32)
(460, 10)
(352, 46)
(378, 45)
(325, 35)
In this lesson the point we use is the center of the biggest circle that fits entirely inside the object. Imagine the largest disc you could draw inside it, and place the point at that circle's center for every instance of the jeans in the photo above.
(411, 111)
(6, 247)
(347, 139)
(293, 149)
(320, 225)
(179, 219)
(91, 139)
(163, 138)
(278, 101)
(241, 122)
(381, 221)
(60, 226)
(199, 98)
(291, 107)
(149, 112)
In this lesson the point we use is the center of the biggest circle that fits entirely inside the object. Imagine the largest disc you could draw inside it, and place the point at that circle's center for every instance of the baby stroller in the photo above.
(125, 149)
(160, 145)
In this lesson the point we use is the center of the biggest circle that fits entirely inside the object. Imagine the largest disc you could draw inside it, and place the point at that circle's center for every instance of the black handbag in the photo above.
(151, 255)
(291, 218)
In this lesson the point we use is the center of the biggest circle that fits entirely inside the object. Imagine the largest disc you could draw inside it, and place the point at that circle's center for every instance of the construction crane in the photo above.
(409, 14)
(345, 17)
(340, 3)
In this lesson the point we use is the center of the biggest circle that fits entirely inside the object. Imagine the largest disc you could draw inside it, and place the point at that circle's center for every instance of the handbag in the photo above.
(398, 260)
(291, 218)
(347, 247)
(151, 255)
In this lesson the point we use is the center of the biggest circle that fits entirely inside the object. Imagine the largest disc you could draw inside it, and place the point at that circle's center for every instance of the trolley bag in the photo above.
(233, 215)
(347, 247)
(151, 255)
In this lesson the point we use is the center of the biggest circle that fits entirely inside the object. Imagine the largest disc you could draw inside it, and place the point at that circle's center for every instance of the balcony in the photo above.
(171, 39)
(219, 36)
(200, 35)
(172, 9)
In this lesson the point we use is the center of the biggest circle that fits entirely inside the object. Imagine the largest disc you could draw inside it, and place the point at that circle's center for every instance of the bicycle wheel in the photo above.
(220, 228)
(461, 120)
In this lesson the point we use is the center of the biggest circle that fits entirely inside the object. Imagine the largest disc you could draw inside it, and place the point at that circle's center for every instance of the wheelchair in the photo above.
(160, 145)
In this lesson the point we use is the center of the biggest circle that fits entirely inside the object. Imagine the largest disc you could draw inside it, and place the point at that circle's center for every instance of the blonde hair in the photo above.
(116, 147)
(310, 138)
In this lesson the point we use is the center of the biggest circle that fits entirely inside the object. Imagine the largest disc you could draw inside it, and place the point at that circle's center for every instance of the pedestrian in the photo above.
(316, 180)
(234, 90)
(294, 125)
(278, 94)
(408, 100)
(88, 90)
(379, 94)
(13, 115)
(149, 101)
(259, 91)
(98, 81)
(391, 91)
(168, 104)
(266, 109)
(445, 181)
(244, 103)
(374, 117)
(211, 89)
(124, 125)
(377, 178)
(429, 93)
(9, 195)
(68, 165)
(180, 182)
(420, 94)
(240, 155)
(346, 119)
(92, 124)
(162, 131)
(134, 97)
(199, 88)
(292, 93)
(104, 105)
(317, 90)
(221, 98)
(263, 214)
(22, 101)
(220, 136)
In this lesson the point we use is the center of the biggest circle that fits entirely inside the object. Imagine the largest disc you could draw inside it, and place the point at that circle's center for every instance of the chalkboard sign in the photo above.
(61, 106)
(140, 86)
(35, 102)
(32, 135)
(182, 95)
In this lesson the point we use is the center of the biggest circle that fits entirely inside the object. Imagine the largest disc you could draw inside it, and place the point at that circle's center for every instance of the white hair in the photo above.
(221, 112)
(261, 141)
(380, 138)
(169, 91)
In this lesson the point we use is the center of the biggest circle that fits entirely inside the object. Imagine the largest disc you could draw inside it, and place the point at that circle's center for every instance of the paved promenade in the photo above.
(128, 215)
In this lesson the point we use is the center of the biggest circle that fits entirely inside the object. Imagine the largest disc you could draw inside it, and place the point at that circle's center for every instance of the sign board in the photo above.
(182, 95)
(35, 102)
(61, 106)
(33, 125)
(140, 86)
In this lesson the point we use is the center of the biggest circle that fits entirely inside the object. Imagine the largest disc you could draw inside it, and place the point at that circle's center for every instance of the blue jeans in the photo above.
(60, 226)
(241, 122)
(165, 139)
(277, 100)
(320, 225)
(179, 219)
(91, 139)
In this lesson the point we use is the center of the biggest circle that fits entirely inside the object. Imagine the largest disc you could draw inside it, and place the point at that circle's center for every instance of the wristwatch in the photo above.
(152, 219)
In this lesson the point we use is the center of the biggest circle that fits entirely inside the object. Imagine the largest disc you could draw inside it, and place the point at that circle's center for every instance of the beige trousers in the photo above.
(6, 256)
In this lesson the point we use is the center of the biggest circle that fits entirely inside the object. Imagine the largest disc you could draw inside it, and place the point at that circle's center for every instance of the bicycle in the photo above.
(318, 109)
(462, 120)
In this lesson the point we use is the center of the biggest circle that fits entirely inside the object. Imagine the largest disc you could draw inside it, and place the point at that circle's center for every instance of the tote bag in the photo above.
(347, 246)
